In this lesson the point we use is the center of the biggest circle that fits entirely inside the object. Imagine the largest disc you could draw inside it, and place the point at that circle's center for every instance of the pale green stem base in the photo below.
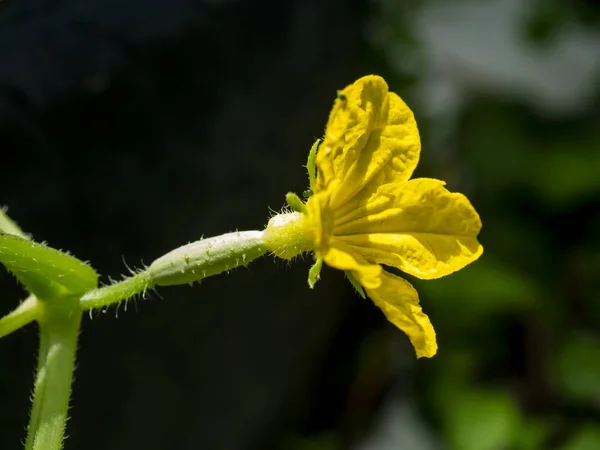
(58, 343)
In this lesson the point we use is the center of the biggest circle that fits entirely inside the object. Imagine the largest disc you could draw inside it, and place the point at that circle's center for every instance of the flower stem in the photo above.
(184, 265)
(58, 343)
(117, 292)
(25, 313)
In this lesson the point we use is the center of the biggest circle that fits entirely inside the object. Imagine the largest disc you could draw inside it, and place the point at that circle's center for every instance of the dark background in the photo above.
(130, 128)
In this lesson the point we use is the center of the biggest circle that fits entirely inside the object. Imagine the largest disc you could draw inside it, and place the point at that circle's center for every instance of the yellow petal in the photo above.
(371, 138)
(418, 226)
(399, 302)
(336, 254)
(340, 256)
(320, 219)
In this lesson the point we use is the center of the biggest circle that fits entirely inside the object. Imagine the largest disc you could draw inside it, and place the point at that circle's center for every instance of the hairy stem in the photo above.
(59, 320)
(184, 265)
(58, 343)
(117, 292)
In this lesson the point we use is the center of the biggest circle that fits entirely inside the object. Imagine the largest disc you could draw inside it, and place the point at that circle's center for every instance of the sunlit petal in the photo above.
(418, 226)
(371, 138)
(399, 302)
(340, 256)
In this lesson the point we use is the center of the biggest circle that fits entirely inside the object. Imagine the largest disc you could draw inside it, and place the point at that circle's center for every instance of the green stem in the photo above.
(59, 320)
(117, 292)
(58, 343)
(25, 313)
(184, 265)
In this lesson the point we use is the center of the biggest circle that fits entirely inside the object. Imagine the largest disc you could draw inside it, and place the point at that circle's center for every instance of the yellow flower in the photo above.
(365, 211)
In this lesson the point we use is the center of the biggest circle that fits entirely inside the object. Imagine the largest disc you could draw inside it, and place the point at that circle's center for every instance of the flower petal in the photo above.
(371, 138)
(418, 227)
(340, 256)
(320, 219)
(335, 253)
(399, 302)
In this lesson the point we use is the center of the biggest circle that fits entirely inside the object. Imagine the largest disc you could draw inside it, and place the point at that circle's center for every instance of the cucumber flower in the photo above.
(365, 214)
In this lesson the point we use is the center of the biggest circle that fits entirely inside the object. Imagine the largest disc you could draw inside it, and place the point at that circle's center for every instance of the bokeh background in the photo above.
(129, 128)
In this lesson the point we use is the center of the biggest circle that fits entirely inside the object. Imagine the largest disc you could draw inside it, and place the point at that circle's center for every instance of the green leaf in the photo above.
(567, 175)
(295, 203)
(45, 271)
(314, 274)
(483, 420)
(577, 369)
(587, 438)
(355, 284)
(311, 166)
(534, 434)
